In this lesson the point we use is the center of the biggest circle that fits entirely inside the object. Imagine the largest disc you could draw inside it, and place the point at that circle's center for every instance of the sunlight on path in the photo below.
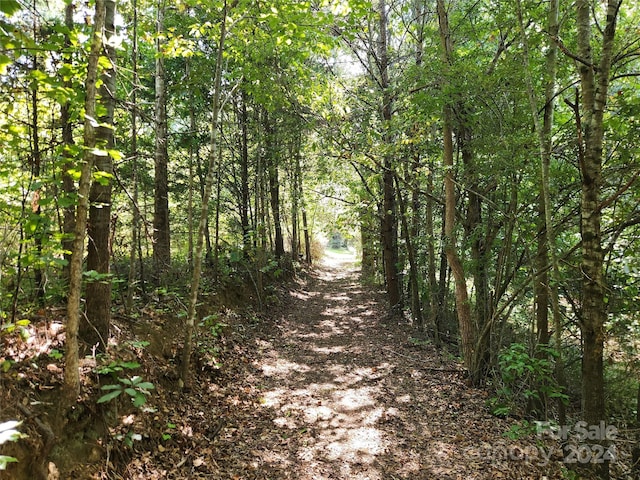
(343, 394)
(323, 387)
(339, 259)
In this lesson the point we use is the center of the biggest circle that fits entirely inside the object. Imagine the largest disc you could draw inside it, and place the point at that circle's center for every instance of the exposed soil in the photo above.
(324, 386)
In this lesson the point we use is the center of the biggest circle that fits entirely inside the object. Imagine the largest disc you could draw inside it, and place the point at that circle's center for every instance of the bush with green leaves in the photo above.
(525, 377)
(135, 387)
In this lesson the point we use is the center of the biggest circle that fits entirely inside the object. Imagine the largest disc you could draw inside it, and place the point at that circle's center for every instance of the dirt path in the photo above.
(333, 391)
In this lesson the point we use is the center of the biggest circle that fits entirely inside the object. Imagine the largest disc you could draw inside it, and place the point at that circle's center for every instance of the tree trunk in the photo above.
(161, 235)
(274, 186)
(244, 175)
(94, 328)
(36, 167)
(68, 185)
(296, 190)
(135, 213)
(185, 367)
(594, 84)
(434, 289)
(72, 364)
(305, 227)
(478, 233)
(193, 139)
(635, 454)
(545, 288)
(216, 229)
(409, 235)
(463, 307)
(442, 293)
(389, 223)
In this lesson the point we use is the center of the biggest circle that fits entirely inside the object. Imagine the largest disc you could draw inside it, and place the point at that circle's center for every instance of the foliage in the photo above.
(9, 433)
(135, 387)
(524, 377)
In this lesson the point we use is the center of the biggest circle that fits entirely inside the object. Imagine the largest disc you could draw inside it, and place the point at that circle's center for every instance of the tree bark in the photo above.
(296, 199)
(94, 328)
(244, 175)
(478, 233)
(161, 235)
(389, 223)
(72, 365)
(594, 85)
(463, 307)
(135, 213)
(36, 170)
(68, 185)
(274, 186)
(409, 234)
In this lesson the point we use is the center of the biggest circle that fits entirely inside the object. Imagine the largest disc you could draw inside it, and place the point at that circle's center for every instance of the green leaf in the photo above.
(5, 61)
(139, 400)
(5, 365)
(130, 365)
(109, 396)
(103, 178)
(4, 460)
(111, 387)
(9, 7)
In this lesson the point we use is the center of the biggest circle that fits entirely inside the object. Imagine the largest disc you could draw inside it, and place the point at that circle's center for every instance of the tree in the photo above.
(594, 85)
(161, 233)
(208, 188)
(389, 223)
(547, 241)
(94, 329)
(463, 306)
(72, 367)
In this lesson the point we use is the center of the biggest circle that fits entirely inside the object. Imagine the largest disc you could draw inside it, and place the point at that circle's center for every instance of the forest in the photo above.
(172, 171)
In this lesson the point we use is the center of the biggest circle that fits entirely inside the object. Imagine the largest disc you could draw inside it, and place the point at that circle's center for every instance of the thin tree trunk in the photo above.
(261, 227)
(185, 366)
(192, 147)
(216, 232)
(36, 167)
(94, 328)
(435, 302)
(274, 186)
(635, 453)
(244, 175)
(307, 236)
(416, 307)
(161, 235)
(546, 244)
(442, 293)
(296, 200)
(463, 307)
(68, 185)
(72, 364)
(135, 213)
